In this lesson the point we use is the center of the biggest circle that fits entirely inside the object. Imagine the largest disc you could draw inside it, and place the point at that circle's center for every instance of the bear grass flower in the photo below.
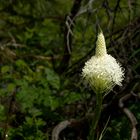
(102, 71)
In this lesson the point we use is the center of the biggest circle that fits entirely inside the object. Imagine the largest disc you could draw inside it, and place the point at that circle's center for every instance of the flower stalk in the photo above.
(102, 72)
(97, 114)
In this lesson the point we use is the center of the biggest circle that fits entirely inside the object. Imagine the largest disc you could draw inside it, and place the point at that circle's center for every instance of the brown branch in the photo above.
(80, 126)
(60, 127)
(69, 24)
(130, 116)
(9, 113)
(115, 14)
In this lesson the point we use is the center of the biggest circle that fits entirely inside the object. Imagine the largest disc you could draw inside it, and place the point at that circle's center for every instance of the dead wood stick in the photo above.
(72, 123)
(57, 130)
(130, 116)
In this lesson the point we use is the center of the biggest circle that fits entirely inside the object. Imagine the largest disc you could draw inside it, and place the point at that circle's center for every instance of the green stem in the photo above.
(96, 118)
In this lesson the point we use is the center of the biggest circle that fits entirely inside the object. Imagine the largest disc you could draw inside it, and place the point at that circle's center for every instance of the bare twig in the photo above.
(57, 130)
(69, 24)
(130, 116)
(115, 13)
(9, 112)
(87, 8)
(80, 125)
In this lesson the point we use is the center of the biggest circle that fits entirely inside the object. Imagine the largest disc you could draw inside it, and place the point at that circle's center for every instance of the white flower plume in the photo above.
(102, 71)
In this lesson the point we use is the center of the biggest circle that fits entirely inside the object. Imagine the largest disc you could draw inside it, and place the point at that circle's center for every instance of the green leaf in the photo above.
(35, 112)
(53, 78)
(54, 103)
(5, 69)
(72, 97)
(11, 87)
(2, 112)
(20, 63)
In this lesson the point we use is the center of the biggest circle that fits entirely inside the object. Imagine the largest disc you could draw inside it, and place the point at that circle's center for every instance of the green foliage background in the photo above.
(35, 92)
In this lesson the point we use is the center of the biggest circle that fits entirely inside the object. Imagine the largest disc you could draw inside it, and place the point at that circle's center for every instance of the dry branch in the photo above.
(69, 24)
(80, 126)
(130, 116)
(60, 127)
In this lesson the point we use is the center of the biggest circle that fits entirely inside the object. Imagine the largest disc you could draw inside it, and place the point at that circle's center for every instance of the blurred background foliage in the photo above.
(43, 47)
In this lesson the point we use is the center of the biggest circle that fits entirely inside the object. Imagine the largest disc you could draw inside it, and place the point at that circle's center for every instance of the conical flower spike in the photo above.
(102, 71)
(100, 45)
